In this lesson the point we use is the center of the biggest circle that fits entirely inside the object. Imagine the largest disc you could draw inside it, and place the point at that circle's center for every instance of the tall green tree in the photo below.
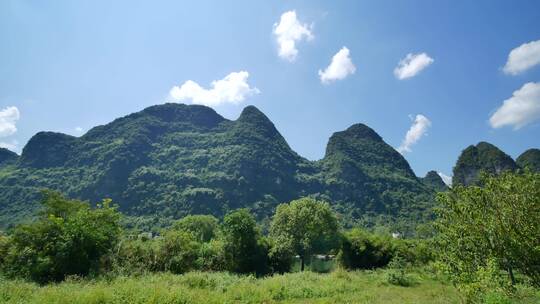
(304, 226)
(243, 243)
(495, 224)
(68, 238)
(202, 227)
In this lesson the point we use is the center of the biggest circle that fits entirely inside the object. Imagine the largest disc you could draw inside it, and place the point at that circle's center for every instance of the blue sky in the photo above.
(76, 64)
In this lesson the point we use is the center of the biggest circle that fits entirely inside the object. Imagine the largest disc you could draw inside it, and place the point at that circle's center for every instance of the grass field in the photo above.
(198, 287)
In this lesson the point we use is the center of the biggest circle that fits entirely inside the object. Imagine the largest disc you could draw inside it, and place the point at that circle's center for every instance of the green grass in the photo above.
(199, 287)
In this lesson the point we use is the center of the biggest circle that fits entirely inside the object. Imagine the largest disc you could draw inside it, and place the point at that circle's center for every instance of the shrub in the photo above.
(177, 252)
(361, 250)
(213, 256)
(396, 272)
(136, 256)
(4, 247)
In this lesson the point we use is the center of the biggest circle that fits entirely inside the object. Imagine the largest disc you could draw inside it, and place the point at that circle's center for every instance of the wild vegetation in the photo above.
(173, 160)
(483, 249)
(490, 234)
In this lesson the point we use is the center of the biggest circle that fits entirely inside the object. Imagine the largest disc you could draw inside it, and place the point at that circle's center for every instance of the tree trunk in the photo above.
(511, 274)
(302, 259)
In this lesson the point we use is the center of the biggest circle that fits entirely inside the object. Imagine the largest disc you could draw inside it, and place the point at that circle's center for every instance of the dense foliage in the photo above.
(68, 238)
(487, 244)
(362, 250)
(173, 160)
(304, 227)
(488, 230)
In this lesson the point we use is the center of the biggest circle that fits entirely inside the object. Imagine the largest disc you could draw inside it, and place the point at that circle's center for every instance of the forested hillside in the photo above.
(171, 160)
(487, 158)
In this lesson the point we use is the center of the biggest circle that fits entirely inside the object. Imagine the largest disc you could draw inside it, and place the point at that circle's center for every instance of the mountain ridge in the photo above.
(170, 160)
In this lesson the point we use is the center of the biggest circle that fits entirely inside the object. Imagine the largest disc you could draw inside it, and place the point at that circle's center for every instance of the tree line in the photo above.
(70, 238)
(486, 237)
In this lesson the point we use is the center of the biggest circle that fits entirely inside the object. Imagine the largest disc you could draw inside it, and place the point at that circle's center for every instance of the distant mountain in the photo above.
(7, 157)
(434, 180)
(171, 160)
(482, 157)
(529, 159)
(359, 168)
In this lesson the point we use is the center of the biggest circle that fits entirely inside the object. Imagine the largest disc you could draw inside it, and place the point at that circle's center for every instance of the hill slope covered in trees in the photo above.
(486, 157)
(171, 160)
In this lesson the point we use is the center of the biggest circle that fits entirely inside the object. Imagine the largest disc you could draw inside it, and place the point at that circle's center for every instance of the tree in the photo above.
(177, 252)
(247, 251)
(492, 226)
(202, 227)
(304, 226)
(69, 238)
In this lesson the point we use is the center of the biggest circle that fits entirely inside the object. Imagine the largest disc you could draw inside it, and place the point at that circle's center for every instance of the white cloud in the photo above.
(523, 58)
(340, 67)
(446, 179)
(520, 109)
(289, 31)
(419, 127)
(411, 65)
(10, 145)
(79, 129)
(231, 89)
(8, 119)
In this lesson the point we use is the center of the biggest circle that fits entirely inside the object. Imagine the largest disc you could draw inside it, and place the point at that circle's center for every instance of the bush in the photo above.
(136, 256)
(213, 256)
(280, 257)
(4, 246)
(177, 252)
(361, 250)
(396, 272)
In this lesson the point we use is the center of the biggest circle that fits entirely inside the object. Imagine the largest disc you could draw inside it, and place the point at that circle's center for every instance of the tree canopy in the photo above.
(493, 225)
(69, 238)
(304, 226)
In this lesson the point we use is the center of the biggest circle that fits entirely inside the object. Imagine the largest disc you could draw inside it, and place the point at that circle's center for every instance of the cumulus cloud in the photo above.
(9, 145)
(411, 65)
(446, 179)
(231, 89)
(419, 127)
(8, 119)
(340, 67)
(288, 32)
(523, 58)
(520, 109)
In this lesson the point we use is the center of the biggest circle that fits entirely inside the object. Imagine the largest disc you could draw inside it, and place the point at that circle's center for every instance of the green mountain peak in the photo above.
(482, 157)
(529, 159)
(171, 160)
